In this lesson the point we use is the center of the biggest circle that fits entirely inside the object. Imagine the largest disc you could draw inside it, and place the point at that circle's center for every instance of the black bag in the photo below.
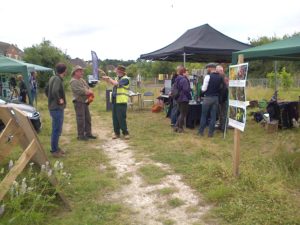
(258, 116)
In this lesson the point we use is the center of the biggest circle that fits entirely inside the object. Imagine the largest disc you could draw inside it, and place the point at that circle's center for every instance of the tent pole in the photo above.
(184, 59)
(276, 85)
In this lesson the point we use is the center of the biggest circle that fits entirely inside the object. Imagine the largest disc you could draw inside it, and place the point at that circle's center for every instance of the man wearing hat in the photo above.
(120, 96)
(212, 85)
(81, 92)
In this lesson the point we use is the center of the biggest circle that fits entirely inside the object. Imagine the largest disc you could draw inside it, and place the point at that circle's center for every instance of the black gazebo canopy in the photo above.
(200, 44)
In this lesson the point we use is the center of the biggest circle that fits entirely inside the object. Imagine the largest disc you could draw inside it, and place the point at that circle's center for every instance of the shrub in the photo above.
(286, 79)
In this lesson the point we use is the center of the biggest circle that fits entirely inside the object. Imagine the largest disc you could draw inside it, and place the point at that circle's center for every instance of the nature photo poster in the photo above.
(237, 95)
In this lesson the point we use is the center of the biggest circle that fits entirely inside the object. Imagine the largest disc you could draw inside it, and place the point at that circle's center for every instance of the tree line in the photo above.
(48, 55)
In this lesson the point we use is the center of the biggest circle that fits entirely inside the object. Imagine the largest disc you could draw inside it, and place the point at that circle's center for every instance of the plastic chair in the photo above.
(148, 97)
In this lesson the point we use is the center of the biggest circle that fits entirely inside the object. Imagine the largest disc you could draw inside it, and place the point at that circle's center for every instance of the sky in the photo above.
(125, 29)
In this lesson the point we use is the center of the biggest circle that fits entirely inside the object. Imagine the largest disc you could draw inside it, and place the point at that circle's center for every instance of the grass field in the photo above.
(268, 189)
(266, 192)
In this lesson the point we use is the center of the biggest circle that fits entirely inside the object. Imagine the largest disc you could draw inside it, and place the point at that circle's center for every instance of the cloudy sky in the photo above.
(125, 29)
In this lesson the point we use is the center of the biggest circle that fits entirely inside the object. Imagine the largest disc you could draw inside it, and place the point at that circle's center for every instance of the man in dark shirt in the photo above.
(56, 105)
(212, 85)
(223, 98)
(33, 86)
(23, 88)
(174, 105)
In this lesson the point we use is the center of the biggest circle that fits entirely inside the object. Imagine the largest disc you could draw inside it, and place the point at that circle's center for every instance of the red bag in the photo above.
(156, 108)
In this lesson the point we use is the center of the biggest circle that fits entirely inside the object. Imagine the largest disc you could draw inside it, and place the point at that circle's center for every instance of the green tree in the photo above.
(45, 54)
(271, 79)
(286, 79)
(132, 70)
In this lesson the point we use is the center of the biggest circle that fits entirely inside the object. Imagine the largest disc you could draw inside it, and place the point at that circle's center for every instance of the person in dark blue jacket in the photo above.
(211, 88)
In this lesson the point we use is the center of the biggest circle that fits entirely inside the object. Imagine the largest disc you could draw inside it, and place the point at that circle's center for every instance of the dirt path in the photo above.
(149, 206)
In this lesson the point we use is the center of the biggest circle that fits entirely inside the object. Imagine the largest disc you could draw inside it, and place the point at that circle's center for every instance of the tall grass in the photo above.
(267, 190)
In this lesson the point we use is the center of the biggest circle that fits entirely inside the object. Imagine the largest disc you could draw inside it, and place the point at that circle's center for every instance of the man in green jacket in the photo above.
(56, 105)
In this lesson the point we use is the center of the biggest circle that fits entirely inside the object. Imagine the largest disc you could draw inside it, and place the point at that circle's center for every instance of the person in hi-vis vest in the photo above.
(120, 95)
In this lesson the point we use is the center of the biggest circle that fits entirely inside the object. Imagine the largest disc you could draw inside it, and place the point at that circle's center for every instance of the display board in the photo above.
(237, 95)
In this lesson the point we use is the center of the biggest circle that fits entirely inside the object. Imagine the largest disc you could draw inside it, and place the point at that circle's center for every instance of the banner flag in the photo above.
(95, 65)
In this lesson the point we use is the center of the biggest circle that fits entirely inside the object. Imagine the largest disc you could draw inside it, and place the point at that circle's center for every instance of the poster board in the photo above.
(237, 95)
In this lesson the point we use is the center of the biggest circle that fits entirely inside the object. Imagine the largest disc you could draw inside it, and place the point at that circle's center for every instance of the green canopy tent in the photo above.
(287, 49)
(9, 65)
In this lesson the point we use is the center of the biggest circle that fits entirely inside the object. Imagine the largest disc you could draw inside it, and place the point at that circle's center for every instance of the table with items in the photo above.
(137, 95)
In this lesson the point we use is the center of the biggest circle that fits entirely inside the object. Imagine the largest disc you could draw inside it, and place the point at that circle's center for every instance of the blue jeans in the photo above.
(33, 95)
(209, 105)
(174, 112)
(57, 116)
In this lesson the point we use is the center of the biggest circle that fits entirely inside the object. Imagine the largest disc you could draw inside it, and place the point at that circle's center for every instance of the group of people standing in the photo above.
(81, 99)
(214, 99)
(23, 92)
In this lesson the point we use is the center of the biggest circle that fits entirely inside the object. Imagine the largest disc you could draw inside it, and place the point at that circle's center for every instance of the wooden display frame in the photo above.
(19, 131)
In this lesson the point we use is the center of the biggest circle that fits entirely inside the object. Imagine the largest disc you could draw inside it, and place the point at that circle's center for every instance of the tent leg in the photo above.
(276, 83)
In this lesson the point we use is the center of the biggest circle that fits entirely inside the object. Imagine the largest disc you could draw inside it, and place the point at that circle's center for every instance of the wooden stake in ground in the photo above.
(236, 139)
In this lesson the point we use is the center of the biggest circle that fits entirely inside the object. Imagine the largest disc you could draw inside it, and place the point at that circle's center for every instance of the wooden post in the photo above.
(236, 140)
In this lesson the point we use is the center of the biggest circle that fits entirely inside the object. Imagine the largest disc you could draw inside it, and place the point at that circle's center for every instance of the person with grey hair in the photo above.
(211, 87)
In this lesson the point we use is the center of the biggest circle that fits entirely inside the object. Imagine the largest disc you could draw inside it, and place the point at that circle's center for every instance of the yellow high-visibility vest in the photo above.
(122, 92)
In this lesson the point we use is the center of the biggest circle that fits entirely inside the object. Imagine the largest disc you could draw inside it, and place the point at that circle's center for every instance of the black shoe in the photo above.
(91, 136)
(82, 138)
(210, 135)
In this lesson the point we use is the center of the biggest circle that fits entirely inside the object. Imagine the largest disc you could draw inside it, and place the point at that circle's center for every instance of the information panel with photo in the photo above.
(237, 95)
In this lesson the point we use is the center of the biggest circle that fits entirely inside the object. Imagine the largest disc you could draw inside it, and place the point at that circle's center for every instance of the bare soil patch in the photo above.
(147, 202)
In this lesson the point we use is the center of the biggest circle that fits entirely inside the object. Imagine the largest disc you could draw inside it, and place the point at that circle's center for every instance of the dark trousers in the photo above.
(83, 119)
(119, 112)
(57, 117)
(209, 106)
(33, 96)
(22, 97)
(174, 112)
(183, 110)
(222, 114)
